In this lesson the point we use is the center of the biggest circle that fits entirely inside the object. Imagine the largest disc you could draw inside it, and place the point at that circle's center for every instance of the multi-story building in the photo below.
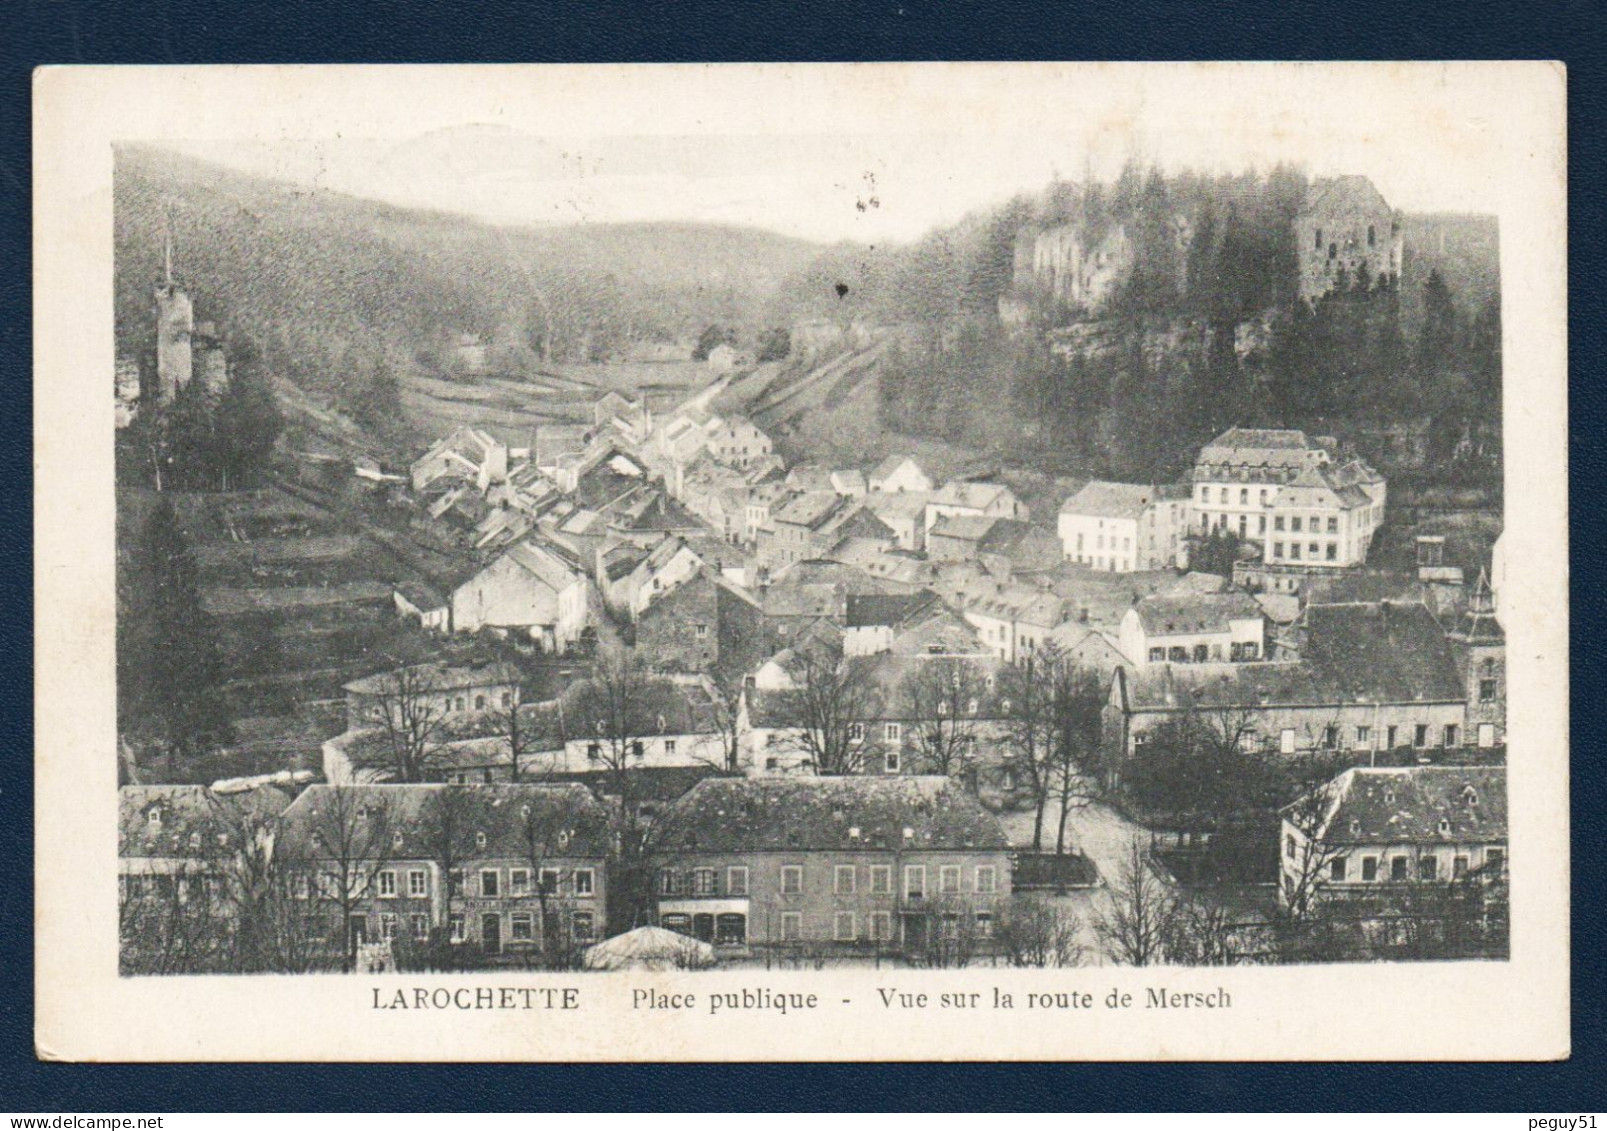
(1371, 831)
(530, 588)
(1369, 678)
(1195, 629)
(1237, 474)
(443, 689)
(898, 475)
(1124, 527)
(510, 869)
(893, 862)
(1323, 517)
(973, 498)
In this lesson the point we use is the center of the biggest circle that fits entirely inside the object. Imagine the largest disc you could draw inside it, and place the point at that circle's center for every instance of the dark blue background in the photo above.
(34, 32)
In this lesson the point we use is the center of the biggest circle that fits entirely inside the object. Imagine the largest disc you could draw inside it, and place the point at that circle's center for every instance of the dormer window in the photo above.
(396, 840)
(195, 840)
(971, 707)
(942, 709)
(909, 833)
(1470, 796)
(1445, 826)
(153, 817)
(479, 840)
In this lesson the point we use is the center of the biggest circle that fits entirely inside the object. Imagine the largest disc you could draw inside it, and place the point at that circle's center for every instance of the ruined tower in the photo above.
(175, 325)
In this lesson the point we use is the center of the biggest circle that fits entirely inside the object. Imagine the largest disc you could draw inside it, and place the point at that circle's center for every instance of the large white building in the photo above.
(1123, 527)
(1270, 485)
(530, 588)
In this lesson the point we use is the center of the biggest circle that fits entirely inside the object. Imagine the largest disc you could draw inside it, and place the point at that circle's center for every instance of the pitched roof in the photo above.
(1204, 612)
(496, 810)
(908, 505)
(1101, 499)
(1348, 190)
(811, 509)
(962, 527)
(969, 493)
(438, 676)
(1258, 454)
(1354, 654)
(545, 564)
(890, 609)
(1416, 805)
(820, 813)
(194, 821)
(890, 465)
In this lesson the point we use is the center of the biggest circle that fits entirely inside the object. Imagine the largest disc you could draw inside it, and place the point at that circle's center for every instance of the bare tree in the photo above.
(1075, 706)
(1134, 929)
(411, 716)
(952, 939)
(348, 843)
(1039, 932)
(174, 921)
(545, 833)
(942, 698)
(445, 827)
(827, 699)
(1026, 686)
(1307, 856)
(1203, 933)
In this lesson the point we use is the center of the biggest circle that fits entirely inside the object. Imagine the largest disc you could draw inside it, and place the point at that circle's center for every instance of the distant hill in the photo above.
(328, 283)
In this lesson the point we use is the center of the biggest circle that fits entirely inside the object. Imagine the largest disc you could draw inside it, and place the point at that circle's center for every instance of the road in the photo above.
(1100, 833)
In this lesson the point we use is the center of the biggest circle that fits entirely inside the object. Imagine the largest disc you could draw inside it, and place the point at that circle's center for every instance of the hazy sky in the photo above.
(832, 168)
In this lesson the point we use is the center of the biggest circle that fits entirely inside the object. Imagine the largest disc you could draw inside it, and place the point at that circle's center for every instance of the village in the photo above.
(628, 686)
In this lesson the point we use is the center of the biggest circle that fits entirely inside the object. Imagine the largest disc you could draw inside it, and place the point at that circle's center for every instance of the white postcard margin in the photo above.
(1509, 117)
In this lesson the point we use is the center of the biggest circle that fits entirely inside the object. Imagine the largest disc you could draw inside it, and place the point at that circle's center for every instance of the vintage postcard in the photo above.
(877, 562)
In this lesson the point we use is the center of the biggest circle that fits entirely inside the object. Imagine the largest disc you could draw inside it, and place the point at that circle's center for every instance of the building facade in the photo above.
(892, 863)
(1124, 527)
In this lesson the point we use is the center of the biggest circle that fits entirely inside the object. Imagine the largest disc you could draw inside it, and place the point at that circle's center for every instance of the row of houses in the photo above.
(517, 869)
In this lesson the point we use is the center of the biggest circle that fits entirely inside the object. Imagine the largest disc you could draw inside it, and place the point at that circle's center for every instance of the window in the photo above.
(1397, 869)
(791, 926)
(881, 879)
(387, 927)
(489, 884)
(669, 882)
(700, 631)
(891, 761)
(459, 703)
(594, 750)
(915, 881)
(843, 879)
(1286, 740)
(1428, 867)
(1494, 858)
(1202, 653)
(549, 881)
(856, 732)
(1314, 549)
(1336, 870)
(507, 698)
(1330, 737)
(454, 882)
(1157, 655)
(881, 926)
(669, 746)
(519, 881)
(585, 881)
(1364, 736)
(387, 885)
(479, 702)
(1294, 551)
(948, 879)
(1372, 235)
(1331, 552)
(893, 732)
(984, 924)
(1369, 868)
(396, 839)
(455, 927)
(1277, 549)
(730, 929)
(479, 840)
(420, 925)
(1261, 524)
(1452, 733)
(1459, 867)
(842, 927)
(1289, 845)
(1420, 735)
(638, 748)
(791, 879)
(987, 879)
(580, 926)
(1277, 522)
(1317, 244)
(521, 927)
(736, 881)
(1390, 734)
(1486, 690)
(1486, 735)
(703, 881)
